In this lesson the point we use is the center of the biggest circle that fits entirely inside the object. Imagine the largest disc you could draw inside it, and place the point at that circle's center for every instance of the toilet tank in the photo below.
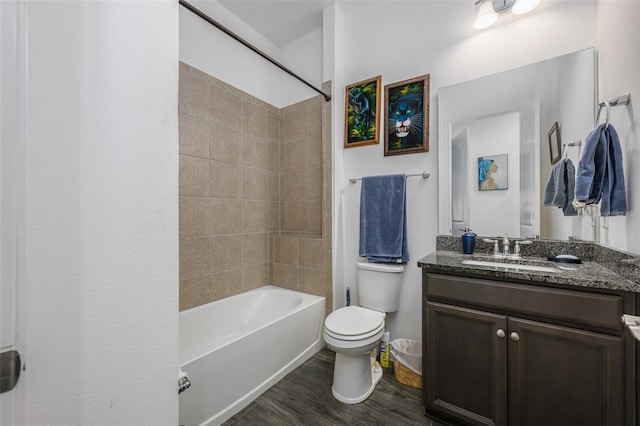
(379, 286)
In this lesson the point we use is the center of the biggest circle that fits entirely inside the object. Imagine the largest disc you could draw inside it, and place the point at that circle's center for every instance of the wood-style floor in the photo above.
(304, 397)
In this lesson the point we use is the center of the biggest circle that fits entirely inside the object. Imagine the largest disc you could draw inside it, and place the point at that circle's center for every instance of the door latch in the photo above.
(10, 367)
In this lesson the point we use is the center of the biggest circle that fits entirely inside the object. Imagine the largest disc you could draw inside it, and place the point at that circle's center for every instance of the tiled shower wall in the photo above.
(301, 254)
(250, 174)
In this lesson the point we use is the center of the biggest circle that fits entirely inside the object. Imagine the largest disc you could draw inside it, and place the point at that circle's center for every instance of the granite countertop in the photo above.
(589, 274)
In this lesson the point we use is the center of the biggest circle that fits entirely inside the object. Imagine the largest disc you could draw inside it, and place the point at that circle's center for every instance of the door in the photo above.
(12, 67)
(466, 364)
(459, 183)
(564, 376)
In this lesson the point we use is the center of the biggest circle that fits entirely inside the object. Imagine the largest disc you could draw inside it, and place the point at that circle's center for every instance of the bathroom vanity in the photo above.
(505, 346)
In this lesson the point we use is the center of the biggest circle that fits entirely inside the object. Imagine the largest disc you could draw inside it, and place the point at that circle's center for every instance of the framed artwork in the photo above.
(407, 116)
(362, 113)
(493, 173)
(555, 147)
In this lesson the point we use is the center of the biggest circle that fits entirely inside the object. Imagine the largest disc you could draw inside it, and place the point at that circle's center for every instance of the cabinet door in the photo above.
(564, 376)
(466, 364)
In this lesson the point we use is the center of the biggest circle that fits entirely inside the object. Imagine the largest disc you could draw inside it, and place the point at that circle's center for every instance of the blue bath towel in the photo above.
(383, 219)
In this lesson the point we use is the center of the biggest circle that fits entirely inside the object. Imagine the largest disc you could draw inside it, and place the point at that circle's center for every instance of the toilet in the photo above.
(353, 332)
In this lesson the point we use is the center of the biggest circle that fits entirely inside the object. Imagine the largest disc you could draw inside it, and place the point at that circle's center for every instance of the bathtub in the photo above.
(234, 349)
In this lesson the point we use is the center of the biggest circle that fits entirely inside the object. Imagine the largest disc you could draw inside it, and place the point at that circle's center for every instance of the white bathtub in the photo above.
(234, 349)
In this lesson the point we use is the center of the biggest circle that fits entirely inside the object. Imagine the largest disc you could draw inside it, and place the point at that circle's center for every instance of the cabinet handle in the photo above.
(500, 332)
(514, 336)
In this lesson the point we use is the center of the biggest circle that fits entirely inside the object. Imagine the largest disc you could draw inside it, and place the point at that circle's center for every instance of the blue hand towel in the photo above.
(600, 175)
(560, 187)
(383, 219)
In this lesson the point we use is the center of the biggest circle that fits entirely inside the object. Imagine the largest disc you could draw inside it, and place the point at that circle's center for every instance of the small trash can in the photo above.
(407, 362)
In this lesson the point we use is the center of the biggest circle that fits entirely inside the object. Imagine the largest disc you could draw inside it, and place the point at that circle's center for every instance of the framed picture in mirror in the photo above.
(555, 147)
(493, 172)
(362, 113)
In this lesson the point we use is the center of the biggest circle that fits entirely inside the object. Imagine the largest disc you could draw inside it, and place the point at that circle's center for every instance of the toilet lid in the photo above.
(354, 322)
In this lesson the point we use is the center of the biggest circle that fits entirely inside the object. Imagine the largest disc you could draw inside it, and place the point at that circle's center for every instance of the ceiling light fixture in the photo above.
(489, 10)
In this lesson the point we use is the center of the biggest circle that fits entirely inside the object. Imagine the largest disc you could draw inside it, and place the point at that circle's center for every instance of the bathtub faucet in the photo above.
(183, 382)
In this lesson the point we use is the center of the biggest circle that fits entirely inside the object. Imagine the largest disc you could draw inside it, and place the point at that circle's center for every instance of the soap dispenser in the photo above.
(468, 241)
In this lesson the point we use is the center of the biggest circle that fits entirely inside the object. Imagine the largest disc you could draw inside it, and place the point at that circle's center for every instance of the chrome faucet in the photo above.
(505, 246)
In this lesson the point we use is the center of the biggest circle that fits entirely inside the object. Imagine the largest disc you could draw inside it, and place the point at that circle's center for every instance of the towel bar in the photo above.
(425, 175)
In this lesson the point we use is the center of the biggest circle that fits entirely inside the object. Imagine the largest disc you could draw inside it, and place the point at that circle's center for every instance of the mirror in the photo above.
(494, 153)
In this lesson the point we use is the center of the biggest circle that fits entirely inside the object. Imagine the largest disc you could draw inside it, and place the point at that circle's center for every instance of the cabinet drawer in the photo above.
(599, 310)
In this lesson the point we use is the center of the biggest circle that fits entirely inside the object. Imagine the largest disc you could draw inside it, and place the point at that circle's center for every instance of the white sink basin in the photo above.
(507, 266)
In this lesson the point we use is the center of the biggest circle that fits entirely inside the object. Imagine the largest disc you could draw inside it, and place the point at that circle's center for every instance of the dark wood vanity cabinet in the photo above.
(502, 353)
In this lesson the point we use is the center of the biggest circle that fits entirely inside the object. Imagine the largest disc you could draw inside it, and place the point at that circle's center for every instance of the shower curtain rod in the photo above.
(242, 41)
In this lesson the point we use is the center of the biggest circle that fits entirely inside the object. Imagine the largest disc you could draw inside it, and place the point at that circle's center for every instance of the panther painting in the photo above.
(407, 116)
(362, 113)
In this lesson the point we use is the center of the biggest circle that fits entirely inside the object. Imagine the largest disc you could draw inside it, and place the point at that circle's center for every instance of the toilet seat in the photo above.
(354, 323)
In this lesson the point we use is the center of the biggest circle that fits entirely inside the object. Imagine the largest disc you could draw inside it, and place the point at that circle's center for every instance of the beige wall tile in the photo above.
(195, 256)
(311, 253)
(327, 231)
(194, 136)
(254, 277)
(226, 253)
(194, 176)
(262, 143)
(183, 68)
(296, 187)
(295, 127)
(296, 216)
(256, 152)
(194, 292)
(311, 281)
(286, 250)
(273, 217)
(328, 301)
(194, 97)
(295, 156)
(273, 162)
(255, 120)
(225, 284)
(194, 217)
(314, 119)
(203, 76)
(226, 180)
(255, 184)
(226, 107)
(285, 276)
(273, 186)
(254, 249)
(274, 127)
(315, 216)
(328, 269)
(314, 153)
(255, 216)
(313, 182)
(328, 195)
(282, 228)
(226, 216)
(225, 143)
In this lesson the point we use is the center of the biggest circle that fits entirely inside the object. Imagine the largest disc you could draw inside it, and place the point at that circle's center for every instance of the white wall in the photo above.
(489, 137)
(101, 213)
(566, 97)
(435, 37)
(618, 73)
(210, 50)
